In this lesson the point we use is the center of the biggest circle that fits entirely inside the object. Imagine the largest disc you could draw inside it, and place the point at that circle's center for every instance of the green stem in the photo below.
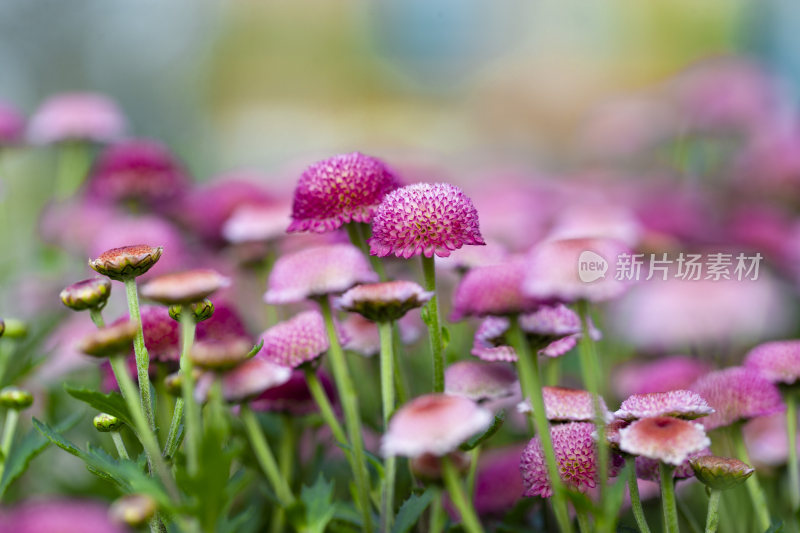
(583, 521)
(348, 396)
(142, 357)
(528, 369)
(324, 404)
(794, 469)
(473, 471)
(286, 455)
(97, 317)
(9, 429)
(434, 323)
(356, 230)
(712, 519)
(670, 512)
(399, 375)
(265, 457)
(388, 402)
(73, 164)
(753, 486)
(119, 445)
(173, 437)
(590, 369)
(437, 517)
(146, 435)
(636, 502)
(469, 518)
(192, 422)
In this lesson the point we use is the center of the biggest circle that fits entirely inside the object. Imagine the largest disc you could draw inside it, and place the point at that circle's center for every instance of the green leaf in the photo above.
(255, 349)
(476, 441)
(776, 527)
(26, 450)
(318, 505)
(111, 403)
(411, 510)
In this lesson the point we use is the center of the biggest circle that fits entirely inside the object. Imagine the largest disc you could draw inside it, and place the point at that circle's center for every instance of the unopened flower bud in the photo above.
(14, 328)
(428, 467)
(185, 287)
(720, 473)
(109, 341)
(126, 262)
(133, 510)
(105, 422)
(220, 354)
(15, 398)
(173, 383)
(87, 294)
(200, 310)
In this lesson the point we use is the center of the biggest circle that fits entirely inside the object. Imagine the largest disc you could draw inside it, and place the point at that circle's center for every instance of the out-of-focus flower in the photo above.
(434, 423)
(295, 341)
(184, 288)
(778, 361)
(139, 170)
(721, 473)
(255, 224)
(317, 271)
(677, 403)
(12, 125)
(362, 336)
(245, 381)
(567, 405)
(199, 311)
(76, 116)
(126, 262)
(591, 220)
(424, 219)
(58, 515)
(481, 381)
(112, 340)
(552, 271)
(469, 257)
(766, 438)
(224, 323)
(576, 456)
(15, 398)
(489, 342)
(737, 393)
(498, 485)
(428, 467)
(220, 354)
(384, 302)
(161, 335)
(133, 510)
(492, 290)
(293, 397)
(648, 469)
(770, 160)
(344, 188)
(669, 440)
(86, 294)
(662, 375)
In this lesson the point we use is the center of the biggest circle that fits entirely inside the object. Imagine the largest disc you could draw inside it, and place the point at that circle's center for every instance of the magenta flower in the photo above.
(385, 301)
(361, 335)
(316, 272)
(424, 219)
(293, 397)
(161, 334)
(481, 381)
(678, 403)
(12, 125)
(76, 116)
(737, 393)
(576, 456)
(245, 381)
(567, 405)
(62, 516)
(295, 341)
(435, 423)
(140, 170)
(189, 286)
(489, 343)
(255, 224)
(778, 361)
(344, 188)
(492, 290)
(669, 440)
(498, 485)
(661, 375)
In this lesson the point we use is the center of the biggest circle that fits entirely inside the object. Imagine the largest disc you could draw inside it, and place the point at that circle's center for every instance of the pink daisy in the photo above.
(678, 403)
(777, 361)
(669, 440)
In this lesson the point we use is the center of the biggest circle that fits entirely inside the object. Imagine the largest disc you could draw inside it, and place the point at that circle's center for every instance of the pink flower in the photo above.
(58, 516)
(737, 393)
(295, 341)
(662, 375)
(498, 485)
(361, 335)
(344, 188)
(245, 381)
(648, 469)
(481, 381)
(12, 125)
(777, 361)
(76, 116)
(567, 405)
(492, 290)
(424, 219)
(435, 423)
(293, 397)
(766, 438)
(317, 271)
(385, 301)
(255, 223)
(576, 456)
(677, 403)
(669, 440)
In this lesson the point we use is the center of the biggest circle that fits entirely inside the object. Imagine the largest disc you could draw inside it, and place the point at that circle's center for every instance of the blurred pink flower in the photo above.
(76, 116)
(12, 125)
(293, 397)
(676, 403)
(245, 381)
(661, 375)
(296, 341)
(498, 484)
(492, 290)
(256, 223)
(596, 220)
(666, 439)
(481, 381)
(777, 361)
(58, 516)
(767, 441)
(567, 405)
(361, 335)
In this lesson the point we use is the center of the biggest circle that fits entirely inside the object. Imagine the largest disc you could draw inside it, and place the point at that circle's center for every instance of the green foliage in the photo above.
(477, 440)
(111, 403)
(315, 509)
(411, 510)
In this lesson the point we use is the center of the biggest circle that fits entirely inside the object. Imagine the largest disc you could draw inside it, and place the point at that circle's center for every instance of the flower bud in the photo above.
(126, 262)
(173, 383)
(87, 294)
(15, 398)
(133, 510)
(105, 422)
(185, 287)
(14, 328)
(220, 354)
(720, 473)
(200, 310)
(428, 467)
(113, 340)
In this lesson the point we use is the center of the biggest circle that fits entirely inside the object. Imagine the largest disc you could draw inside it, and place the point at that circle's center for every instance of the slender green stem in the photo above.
(173, 437)
(286, 456)
(324, 404)
(73, 164)
(670, 512)
(469, 518)
(97, 317)
(636, 502)
(192, 422)
(388, 402)
(434, 323)
(348, 396)
(265, 457)
(753, 485)
(794, 468)
(9, 429)
(145, 434)
(583, 521)
(712, 519)
(437, 517)
(119, 445)
(399, 375)
(528, 369)
(142, 357)
(474, 455)
(590, 370)
(356, 230)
